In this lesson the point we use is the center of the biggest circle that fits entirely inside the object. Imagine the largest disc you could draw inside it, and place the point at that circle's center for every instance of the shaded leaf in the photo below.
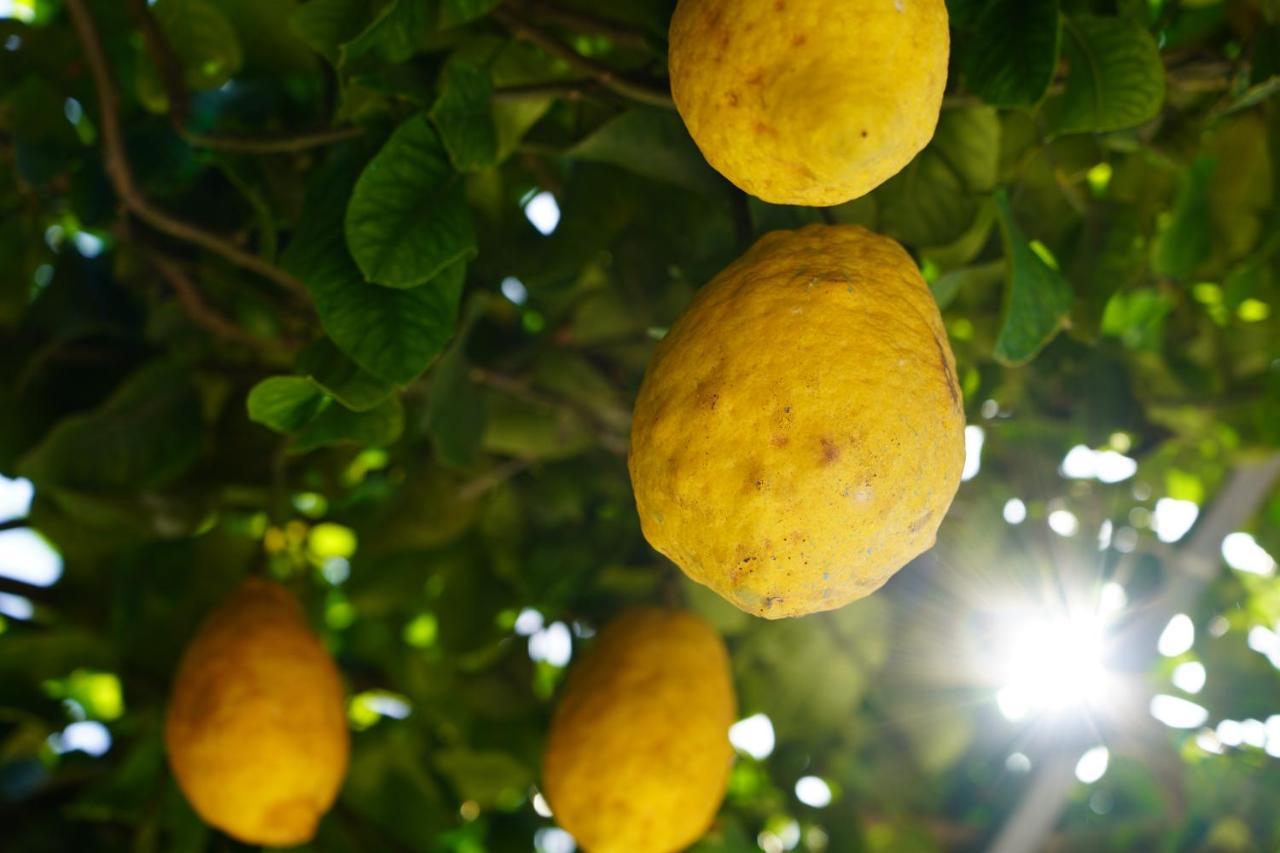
(1186, 238)
(203, 40)
(1116, 78)
(285, 403)
(326, 25)
(464, 117)
(377, 427)
(407, 219)
(1037, 297)
(456, 12)
(392, 334)
(652, 143)
(338, 375)
(1012, 51)
(395, 34)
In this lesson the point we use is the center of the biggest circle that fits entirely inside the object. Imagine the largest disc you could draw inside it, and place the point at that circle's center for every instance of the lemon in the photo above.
(638, 754)
(812, 102)
(256, 728)
(799, 434)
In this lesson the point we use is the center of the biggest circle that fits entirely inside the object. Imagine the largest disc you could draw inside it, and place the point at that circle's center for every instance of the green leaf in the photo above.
(1037, 297)
(326, 25)
(935, 199)
(454, 13)
(202, 38)
(490, 779)
(1186, 238)
(392, 334)
(652, 143)
(1116, 78)
(455, 411)
(145, 436)
(338, 375)
(285, 403)
(378, 427)
(463, 115)
(1012, 51)
(408, 220)
(396, 34)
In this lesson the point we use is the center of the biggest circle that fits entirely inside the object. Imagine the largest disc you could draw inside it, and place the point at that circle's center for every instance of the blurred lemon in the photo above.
(256, 727)
(638, 755)
(799, 434)
(812, 102)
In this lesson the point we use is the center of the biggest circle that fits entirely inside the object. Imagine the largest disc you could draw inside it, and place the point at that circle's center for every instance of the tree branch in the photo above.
(607, 77)
(121, 175)
(583, 22)
(193, 305)
(14, 524)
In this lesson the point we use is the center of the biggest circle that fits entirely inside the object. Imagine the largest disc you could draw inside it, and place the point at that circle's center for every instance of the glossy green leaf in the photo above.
(377, 427)
(285, 403)
(463, 115)
(1012, 51)
(1037, 297)
(1116, 78)
(395, 34)
(408, 220)
(326, 25)
(392, 334)
(342, 378)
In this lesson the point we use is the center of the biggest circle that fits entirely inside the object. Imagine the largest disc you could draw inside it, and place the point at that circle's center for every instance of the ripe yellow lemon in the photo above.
(812, 102)
(256, 728)
(638, 755)
(799, 434)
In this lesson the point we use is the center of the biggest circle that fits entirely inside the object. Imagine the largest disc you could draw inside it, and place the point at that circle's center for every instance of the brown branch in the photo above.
(193, 305)
(271, 144)
(121, 175)
(607, 77)
(583, 22)
(493, 478)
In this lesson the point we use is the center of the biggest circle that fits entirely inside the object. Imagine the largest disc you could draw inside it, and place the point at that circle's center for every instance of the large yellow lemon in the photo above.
(812, 102)
(256, 727)
(799, 434)
(638, 754)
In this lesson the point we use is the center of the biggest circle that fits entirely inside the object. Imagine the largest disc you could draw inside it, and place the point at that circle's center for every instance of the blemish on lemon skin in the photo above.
(830, 451)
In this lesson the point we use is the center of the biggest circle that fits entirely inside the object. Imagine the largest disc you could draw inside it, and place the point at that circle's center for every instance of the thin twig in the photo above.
(569, 90)
(14, 524)
(271, 144)
(583, 22)
(121, 175)
(193, 305)
(607, 77)
(493, 478)
(607, 433)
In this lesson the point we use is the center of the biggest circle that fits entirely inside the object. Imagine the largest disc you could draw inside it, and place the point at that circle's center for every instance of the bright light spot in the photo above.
(1018, 763)
(53, 236)
(790, 835)
(1243, 553)
(514, 289)
(1105, 530)
(1052, 664)
(1064, 522)
(1107, 466)
(87, 736)
(1078, 463)
(1266, 642)
(528, 622)
(990, 408)
(1209, 741)
(1255, 733)
(1230, 733)
(1189, 677)
(388, 705)
(72, 109)
(14, 498)
(1273, 736)
(368, 707)
(540, 804)
(974, 438)
(15, 606)
(1125, 540)
(20, 10)
(1015, 511)
(1173, 518)
(553, 644)
(1178, 713)
(813, 792)
(753, 736)
(543, 213)
(1092, 766)
(336, 570)
(553, 840)
(1177, 637)
(1111, 599)
(13, 42)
